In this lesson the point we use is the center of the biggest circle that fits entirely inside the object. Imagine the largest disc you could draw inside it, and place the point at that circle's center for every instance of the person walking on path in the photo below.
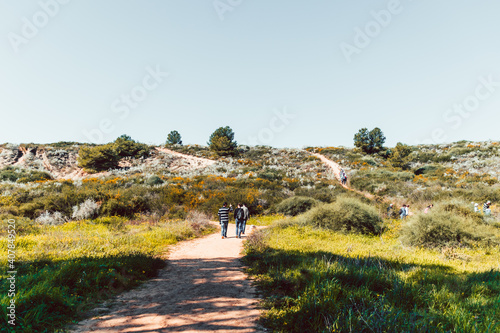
(407, 211)
(224, 218)
(476, 208)
(245, 218)
(390, 209)
(486, 208)
(343, 177)
(239, 216)
(402, 212)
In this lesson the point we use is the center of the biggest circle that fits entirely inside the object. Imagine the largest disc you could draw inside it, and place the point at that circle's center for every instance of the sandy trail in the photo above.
(197, 162)
(336, 171)
(202, 289)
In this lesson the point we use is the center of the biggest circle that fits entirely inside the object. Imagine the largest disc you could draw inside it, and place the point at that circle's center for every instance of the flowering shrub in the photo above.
(87, 210)
(48, 218)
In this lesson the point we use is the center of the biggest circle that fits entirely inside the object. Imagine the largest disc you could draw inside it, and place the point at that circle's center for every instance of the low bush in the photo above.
(87, 210)
(382, 181)
(324, 194)
(428, 169)
(345, 215)
(461, 208)
(296, 205)
(271, 175)
(126, 205)
(198, 220)
(48, 218)
(22, 175)
(443, 226)
(154, 180)
(98, 158)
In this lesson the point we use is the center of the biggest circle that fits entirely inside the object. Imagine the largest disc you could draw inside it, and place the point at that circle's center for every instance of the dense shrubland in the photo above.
(325, 270)
(340, 267)
(424, 174)
(335, 263)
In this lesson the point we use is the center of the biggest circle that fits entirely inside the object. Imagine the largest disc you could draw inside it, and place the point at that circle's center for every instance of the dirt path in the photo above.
(336, 171)
(202, 289)
(197, 162)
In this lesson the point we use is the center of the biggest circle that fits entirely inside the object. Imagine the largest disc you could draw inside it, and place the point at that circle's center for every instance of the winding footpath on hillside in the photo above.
(336, 172)
(202, 289)
(195, 162)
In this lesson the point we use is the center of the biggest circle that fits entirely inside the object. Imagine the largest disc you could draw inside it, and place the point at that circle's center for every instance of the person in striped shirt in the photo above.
(224, 218)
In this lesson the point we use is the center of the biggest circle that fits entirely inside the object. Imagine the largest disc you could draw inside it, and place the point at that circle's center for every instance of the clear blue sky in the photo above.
(334, 66)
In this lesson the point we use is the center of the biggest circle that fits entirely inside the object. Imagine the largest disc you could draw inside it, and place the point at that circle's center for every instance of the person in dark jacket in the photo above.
(390, 210)
(245, 218)
(224, 218)
(239, 216)
(402, 212)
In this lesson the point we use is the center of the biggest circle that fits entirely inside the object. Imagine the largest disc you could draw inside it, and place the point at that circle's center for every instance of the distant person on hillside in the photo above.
(402, 212)
(239, 216)
(476, 208)
(407, 212)
(390, 210)
(224, 218)
(343, 177)
(486, 208)
(245, 218)
(428, 208)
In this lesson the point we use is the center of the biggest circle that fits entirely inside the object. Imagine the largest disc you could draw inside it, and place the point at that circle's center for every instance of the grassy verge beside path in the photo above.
(320, 281)
(63, 271)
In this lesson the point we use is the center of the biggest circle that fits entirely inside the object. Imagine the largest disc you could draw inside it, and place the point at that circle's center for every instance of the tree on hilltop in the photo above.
(222, 141)
(370, 142)
(174, 138)
(126, 147)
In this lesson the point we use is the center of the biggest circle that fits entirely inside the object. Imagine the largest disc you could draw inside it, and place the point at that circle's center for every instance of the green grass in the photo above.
(65, 270)
(320, 281)
(264, 220)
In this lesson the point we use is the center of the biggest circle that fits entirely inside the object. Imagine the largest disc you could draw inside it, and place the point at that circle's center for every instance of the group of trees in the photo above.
(222, 143)
(108, 156)
(372, 142)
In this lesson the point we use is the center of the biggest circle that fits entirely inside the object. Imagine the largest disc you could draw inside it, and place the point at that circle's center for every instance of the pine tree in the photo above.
(370, 142)
(174, 138)
(222, 141)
